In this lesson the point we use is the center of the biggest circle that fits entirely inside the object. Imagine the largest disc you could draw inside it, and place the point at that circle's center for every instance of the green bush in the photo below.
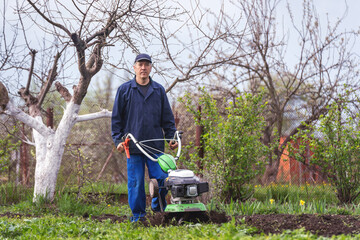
(334, 146)
(232, 148)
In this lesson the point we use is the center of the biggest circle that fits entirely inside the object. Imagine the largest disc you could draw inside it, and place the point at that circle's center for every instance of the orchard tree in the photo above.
(82, 33)
(83, 28)
(304, 65)
(71, 41)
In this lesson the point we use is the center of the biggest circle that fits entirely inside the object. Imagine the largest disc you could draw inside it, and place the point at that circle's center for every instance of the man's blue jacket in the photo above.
(145, 117)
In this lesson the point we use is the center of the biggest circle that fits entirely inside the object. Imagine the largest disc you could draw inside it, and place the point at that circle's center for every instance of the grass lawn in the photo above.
(70, 217)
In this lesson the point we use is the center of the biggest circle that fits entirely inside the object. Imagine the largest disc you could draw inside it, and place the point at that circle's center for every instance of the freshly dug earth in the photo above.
(322, 225)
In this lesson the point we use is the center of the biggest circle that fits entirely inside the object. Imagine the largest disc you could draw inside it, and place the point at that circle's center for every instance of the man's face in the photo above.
(142, 69)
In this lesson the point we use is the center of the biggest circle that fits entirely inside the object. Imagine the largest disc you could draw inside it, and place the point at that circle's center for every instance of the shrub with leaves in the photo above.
(232, 148)
(334, 146)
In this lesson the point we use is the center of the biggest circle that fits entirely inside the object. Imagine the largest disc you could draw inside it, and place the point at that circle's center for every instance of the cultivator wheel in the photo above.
(153, 188)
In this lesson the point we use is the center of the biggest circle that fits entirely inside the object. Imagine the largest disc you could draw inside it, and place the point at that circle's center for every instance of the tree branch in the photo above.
(32, 122)
(102, 114)
(33, 53)
(51, 78)
(63, 91)
(105, 164)
(80, 49)
(28, 98)
(95, 61)
(49, 20)
(302, 126)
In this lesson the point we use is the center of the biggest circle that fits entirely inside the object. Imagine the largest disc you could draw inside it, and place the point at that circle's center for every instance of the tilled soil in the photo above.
(322, 225)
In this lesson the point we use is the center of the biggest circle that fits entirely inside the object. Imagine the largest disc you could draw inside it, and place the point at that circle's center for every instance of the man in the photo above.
(142, 108)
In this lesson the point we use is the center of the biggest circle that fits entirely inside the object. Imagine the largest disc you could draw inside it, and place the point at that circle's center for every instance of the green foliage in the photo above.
(66, 227)
(11, 193)
(64, 218)
(100, 187)
(8, 145)
(235, 208)
(336, 151)
(69, 203)
(317, 199)
(273, 206)
(284, 193)
(233, 150)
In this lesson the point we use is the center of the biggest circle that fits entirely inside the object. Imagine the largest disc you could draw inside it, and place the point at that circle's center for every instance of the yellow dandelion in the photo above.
(272, 201)
(302, 202)
(109, 205)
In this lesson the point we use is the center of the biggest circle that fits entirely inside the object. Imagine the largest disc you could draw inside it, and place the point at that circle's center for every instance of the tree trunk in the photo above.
(50, 144)
(49, 152)
(271, 172)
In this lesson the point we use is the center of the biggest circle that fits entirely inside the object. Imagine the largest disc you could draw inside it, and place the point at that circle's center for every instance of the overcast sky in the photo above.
(334, 9)
(327, 9)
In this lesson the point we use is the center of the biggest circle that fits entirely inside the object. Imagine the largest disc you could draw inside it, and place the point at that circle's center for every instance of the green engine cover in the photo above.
(167, 162)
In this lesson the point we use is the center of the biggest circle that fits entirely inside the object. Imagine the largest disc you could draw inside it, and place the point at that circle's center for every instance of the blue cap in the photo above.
(142, 57)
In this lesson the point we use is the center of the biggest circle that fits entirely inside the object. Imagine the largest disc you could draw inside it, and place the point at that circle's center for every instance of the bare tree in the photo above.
(189, 48)
(82, 32)
(325, 66)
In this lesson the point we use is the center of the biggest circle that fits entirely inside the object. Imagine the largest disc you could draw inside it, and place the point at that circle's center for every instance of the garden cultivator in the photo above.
(184, 186)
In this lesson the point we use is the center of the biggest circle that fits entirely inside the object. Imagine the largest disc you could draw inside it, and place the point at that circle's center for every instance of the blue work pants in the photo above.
(136, 184)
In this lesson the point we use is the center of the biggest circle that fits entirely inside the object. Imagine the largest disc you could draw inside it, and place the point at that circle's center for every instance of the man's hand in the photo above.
(120, 147)
(173, 145)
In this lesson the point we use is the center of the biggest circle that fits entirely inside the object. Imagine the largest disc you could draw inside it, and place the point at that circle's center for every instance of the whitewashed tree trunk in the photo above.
(50, 144)
(49, 152)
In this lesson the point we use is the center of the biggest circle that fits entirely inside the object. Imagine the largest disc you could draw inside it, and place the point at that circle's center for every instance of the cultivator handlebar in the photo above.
(140, 145)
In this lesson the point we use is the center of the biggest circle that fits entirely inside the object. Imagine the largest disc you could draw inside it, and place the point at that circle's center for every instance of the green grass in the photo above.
(301, 207)
(66, 204)
(289, 199)
(283, 193)
(11, 193)
(55, 227)
(276, 198)
(99, 187)
(63, 218)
